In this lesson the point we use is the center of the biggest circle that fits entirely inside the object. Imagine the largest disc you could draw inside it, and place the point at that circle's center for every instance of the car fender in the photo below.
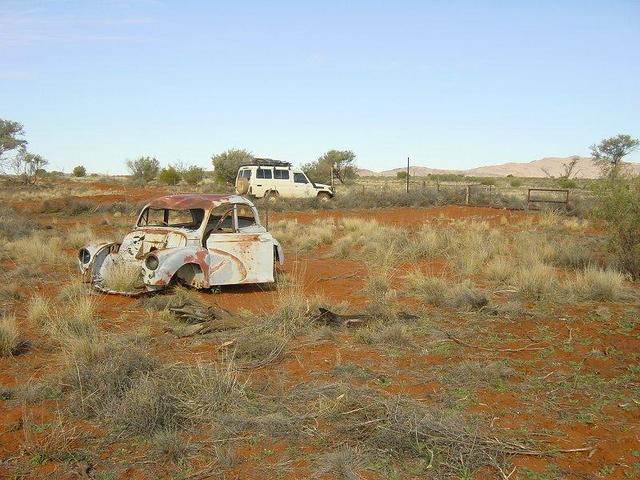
(98, 252)
(173, 259)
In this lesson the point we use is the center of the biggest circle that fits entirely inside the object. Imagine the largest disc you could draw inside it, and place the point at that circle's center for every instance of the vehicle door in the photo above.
(283, 182)
(240, 250)
(263, 181)
(302, 185)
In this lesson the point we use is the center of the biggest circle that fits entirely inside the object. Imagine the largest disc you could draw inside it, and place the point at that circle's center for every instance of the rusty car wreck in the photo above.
(198, 240)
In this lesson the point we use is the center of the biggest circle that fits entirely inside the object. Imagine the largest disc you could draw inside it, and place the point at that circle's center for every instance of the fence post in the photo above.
(490, 197)
(466, 197)
(407, 174)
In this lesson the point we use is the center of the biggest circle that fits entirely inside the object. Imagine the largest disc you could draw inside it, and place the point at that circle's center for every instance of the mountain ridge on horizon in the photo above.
(547, 166)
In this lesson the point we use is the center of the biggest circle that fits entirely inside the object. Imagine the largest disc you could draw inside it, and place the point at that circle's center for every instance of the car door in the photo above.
(301, 185)
(240, 250)
(263, 181)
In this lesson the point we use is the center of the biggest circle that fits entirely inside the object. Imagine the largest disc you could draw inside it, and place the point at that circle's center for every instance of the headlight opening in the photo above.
(84, 256)
(151, 262)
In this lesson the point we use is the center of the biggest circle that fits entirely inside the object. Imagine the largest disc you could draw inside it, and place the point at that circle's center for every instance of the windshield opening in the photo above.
(166, 217)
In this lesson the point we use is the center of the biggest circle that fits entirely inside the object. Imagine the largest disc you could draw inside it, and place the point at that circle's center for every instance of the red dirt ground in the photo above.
(613, 440)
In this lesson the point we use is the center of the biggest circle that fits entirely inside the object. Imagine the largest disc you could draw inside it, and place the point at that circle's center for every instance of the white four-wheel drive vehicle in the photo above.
(200, 240)
(272, 179)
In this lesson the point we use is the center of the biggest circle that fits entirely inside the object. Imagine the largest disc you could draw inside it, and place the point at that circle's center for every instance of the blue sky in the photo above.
(452, 84)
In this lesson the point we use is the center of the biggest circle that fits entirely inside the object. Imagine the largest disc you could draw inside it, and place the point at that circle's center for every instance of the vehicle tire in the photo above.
(324, 197)
(271, 195)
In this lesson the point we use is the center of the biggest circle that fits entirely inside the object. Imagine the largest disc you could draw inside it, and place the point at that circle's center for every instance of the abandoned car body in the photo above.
(200, 240)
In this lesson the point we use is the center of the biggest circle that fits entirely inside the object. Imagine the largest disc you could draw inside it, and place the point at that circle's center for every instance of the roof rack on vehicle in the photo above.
(267, 162)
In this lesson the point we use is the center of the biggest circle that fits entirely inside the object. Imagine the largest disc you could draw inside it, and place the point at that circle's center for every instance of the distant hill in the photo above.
(554, 166)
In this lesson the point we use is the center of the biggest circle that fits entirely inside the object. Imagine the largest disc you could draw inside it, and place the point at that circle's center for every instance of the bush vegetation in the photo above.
(170, 175)
(79, 171)
(144, 168)
(226, 164)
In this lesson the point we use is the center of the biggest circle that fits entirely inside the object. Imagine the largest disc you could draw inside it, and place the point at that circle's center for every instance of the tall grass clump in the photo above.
(122, 277)
(437, 291)
(132, 391)
(536, 282)
(8, 335)
(36, 250)
(12, 225)
(304, 236)
(501, 270)
(594, 283)
(73, 326)
(38, 310)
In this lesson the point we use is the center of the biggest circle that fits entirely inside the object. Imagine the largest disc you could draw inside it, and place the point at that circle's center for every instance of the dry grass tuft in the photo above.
(122, 277)
(536, 282)
(73, 326)
(343, 463)
(437, 291)
(36, 250)
(9, 335)
(501, 270)
(254, 349)
(304, 237)
(38, 310)
(593, 283)
(170, 445)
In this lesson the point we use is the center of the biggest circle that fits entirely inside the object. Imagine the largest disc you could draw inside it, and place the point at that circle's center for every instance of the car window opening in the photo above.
(165, 217)
(300, 178)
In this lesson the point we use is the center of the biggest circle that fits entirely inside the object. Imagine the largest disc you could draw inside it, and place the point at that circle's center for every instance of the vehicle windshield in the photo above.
(167, 217)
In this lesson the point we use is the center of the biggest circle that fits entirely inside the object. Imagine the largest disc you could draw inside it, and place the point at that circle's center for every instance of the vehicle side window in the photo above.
(263, 173)
(245, 173)
(220, 220)
(281, 174)
(246, 218)
(300, 178)
(155, 216)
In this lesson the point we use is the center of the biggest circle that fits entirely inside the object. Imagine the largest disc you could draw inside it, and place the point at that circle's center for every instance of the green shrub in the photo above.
(226, 164)
(193, 175)
(170, 175)
(515, 183)
(79, 171)
(619, 207)
(144, 168)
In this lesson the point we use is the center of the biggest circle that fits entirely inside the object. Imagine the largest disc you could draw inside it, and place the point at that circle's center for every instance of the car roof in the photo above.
(195, 200)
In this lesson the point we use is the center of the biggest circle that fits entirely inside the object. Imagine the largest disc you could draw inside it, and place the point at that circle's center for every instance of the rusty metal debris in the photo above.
(199, 240)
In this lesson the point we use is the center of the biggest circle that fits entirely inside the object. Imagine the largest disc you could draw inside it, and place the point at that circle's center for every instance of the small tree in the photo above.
(170, 175)
(79, 171)
(144, 168)
(26, 166)
(401, 175)
(9, 133)
(193, 175)
(226, 164)
(342, 162)
(608, 154)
